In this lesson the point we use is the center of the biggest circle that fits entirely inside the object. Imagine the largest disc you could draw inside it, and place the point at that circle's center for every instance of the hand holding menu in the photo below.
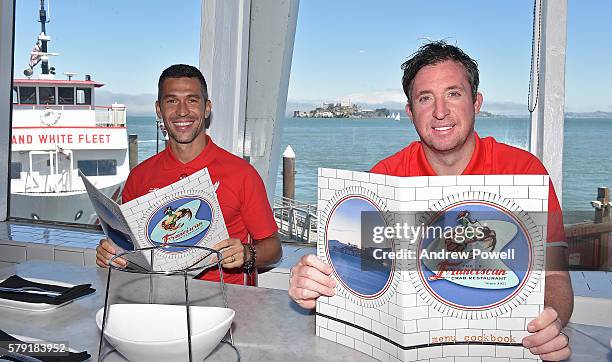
(185, 213)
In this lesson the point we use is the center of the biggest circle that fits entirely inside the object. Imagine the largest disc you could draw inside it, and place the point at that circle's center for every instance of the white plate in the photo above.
(35, 307)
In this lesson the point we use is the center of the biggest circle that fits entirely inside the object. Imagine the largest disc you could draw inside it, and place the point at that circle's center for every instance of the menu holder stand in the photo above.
(197, 267)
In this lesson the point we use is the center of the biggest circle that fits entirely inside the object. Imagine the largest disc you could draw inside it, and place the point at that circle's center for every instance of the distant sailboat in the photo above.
(397, 117)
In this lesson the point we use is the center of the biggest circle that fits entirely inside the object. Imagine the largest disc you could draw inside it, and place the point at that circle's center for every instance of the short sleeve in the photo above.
(380, 168)
(129, 192)
(555, 230)
(255, 209)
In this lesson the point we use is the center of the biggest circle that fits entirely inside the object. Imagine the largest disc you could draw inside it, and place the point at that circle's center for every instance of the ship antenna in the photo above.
(44, 39)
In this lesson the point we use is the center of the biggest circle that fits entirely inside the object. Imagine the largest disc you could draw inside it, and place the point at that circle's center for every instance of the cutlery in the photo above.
(31, 290)
(6, 355)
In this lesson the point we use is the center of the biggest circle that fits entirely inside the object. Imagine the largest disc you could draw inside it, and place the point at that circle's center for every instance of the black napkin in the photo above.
(67, 293)
(71, 357)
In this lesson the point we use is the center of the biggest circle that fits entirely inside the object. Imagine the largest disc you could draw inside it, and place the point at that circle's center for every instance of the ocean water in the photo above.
(357, 144)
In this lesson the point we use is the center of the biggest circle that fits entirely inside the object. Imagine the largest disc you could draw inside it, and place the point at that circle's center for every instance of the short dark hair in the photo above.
(433, 53)
(180, 71)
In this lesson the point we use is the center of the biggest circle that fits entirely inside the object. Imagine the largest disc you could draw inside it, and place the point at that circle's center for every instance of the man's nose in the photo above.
(182, 109)
(441, 109)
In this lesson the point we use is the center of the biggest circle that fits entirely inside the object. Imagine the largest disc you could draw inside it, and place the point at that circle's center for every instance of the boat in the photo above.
(58, 129)
(397, 117)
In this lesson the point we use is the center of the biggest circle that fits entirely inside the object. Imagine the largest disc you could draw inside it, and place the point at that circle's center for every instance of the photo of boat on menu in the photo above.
(57, 129)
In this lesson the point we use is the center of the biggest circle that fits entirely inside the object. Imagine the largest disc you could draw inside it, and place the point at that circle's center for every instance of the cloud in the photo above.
(137, 104)
(505, 107)
(390, 98)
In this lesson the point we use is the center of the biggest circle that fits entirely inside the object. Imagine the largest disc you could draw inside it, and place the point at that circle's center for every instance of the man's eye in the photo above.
(171, 101)
(454, 94)
(424, 99)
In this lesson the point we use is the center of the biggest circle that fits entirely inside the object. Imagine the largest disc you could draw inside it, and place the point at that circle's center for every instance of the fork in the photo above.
(31, 290)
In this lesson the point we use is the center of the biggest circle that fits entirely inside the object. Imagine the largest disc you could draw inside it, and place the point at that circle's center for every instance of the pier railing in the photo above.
(297, 221)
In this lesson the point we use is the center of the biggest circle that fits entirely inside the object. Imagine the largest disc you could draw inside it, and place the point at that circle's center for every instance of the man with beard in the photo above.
(183, 104)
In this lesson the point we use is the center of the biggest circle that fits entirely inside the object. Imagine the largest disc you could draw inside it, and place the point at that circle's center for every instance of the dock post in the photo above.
(289, 185)
(603, 215)
(289, 173)
(133, 150)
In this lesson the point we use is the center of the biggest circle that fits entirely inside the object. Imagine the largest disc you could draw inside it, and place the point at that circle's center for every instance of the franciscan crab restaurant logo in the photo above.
(480, 259)
(181, 222)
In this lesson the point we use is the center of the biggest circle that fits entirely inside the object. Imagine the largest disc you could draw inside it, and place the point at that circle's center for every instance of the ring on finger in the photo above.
(233, 259)
(566, 338)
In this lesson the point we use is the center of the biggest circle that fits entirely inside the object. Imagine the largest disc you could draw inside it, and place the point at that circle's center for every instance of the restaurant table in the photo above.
(267, 325)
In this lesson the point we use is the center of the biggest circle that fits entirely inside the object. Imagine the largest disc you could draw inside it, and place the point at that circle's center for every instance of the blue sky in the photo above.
(344, 49)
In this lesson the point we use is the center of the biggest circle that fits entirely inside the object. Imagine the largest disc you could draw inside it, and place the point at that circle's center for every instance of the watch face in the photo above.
(182, 221)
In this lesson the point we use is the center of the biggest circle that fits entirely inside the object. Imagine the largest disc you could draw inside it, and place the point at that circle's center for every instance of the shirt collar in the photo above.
(474, 167)
(204, 159)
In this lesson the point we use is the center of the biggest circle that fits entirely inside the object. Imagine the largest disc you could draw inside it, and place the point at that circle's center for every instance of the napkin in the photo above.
(68, 294)
(71, 357)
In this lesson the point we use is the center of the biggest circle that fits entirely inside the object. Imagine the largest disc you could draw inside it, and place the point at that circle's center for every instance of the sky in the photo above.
(344, 49)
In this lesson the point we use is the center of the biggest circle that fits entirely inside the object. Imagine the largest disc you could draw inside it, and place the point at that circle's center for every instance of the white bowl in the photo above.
(158, 332)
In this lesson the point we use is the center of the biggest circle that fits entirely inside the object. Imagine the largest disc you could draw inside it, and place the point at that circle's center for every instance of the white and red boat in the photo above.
(56, 130)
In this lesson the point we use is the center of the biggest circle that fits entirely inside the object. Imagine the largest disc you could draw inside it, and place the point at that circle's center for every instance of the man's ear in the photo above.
(158, 110)
(409, 111)
(207, 108)
(478, 103)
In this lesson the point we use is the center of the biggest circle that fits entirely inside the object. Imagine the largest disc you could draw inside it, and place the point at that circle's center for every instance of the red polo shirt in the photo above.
(241, 193)
(489, 158)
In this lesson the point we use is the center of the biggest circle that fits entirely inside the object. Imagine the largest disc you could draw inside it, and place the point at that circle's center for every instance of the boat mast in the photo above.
(43, 39)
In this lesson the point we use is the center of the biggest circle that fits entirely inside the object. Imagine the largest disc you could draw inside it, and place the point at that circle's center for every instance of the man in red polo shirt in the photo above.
(441, 84)
(184, 106)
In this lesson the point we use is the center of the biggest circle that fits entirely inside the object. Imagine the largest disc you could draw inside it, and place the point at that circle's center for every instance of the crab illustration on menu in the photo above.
(185, 213)
(432, 267)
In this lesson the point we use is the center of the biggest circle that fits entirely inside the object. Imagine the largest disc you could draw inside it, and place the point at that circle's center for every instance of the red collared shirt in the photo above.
(489, 158)
(241, 193)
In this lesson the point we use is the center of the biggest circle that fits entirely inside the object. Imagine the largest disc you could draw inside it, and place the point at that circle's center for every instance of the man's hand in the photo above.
(105, 251)
(232, 251)
(309, 280)
(547, 340)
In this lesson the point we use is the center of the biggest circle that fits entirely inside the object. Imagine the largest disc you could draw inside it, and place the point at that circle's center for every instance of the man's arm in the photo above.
(547, 339)
(559, 294)
(268, 250)
(235, 254)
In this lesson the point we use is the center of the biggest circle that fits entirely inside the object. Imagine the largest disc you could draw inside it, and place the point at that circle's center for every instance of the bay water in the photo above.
(357, 144)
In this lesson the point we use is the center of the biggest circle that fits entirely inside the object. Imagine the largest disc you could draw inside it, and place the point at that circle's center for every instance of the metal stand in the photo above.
(193, 268)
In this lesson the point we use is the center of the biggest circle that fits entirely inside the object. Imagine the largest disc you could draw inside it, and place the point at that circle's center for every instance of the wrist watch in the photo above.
(249, 264)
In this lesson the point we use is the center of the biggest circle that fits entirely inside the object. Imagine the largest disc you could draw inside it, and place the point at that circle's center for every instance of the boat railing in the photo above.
(63, 182)
(297, 221)
(113, 116)
(105, 116)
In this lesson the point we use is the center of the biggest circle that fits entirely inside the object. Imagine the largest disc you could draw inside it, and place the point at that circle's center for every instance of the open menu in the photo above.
(185, 213)
(432, 268)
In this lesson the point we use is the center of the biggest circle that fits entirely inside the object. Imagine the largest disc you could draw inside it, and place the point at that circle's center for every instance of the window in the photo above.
(352, 120)
(98, 167)
(27, 95)
(65, 95)
(83, 96)
(46, 95)
(587, 129)
(53, 169)
(15, 170)
(15, 96)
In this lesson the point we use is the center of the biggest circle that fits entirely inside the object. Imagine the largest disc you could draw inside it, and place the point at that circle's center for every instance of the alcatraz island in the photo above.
(342, 110)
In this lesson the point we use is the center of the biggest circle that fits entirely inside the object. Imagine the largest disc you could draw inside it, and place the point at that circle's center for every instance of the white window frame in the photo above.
(7, 15)
(547, 120)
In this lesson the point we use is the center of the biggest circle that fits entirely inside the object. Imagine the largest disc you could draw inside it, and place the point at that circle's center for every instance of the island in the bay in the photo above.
(350, 110)
(343, 110)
